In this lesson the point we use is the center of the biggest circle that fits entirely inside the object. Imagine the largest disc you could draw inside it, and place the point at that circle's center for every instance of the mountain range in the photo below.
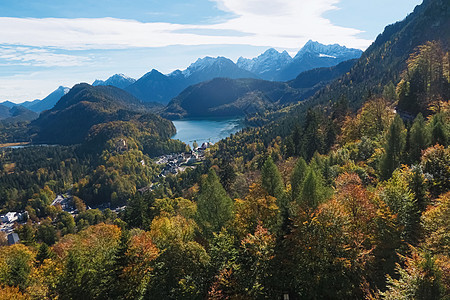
(271, 65)
(280, 66)
(118, 80)
(157, 87)
(40, 105)
(225, 97)
(16, 113)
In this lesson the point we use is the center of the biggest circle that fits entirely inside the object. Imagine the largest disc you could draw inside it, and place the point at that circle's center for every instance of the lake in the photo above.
(205, 130)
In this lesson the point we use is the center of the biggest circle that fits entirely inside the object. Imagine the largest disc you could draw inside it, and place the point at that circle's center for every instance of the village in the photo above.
(179, 162)
(172, 164)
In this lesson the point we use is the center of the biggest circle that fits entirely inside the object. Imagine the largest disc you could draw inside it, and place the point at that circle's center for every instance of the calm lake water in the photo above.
(205, 130)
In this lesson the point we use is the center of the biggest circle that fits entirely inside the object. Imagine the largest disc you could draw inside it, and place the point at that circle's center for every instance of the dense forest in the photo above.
(343, 196)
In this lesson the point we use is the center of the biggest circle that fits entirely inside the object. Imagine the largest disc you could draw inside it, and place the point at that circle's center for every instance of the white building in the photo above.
(9, 217)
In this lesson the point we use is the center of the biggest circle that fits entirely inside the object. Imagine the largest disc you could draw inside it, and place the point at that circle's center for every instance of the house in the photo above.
(206, 145)
(13, 238)
(9, 217)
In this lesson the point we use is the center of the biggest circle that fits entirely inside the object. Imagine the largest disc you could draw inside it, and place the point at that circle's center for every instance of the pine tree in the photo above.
(311, 194)
(394, 146)
(297, 139)
(215, 208)
(439, 134)
(298, 175)
(418, 138)
(272, 181)
(69, 284)
(43, 253)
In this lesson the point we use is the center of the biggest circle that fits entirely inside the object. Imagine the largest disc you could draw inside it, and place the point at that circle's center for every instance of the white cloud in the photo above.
(39, 57)
(276, 23)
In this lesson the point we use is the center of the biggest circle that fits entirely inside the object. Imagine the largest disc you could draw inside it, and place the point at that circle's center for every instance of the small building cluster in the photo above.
(8, 222)
(179, 162)
(12, 217)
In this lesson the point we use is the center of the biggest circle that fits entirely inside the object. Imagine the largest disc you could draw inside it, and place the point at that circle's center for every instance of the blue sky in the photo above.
(47, 43)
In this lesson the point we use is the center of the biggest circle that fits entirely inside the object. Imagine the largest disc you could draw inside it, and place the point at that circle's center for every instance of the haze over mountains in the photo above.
(157, 87)
(41, 105)
(271, 65)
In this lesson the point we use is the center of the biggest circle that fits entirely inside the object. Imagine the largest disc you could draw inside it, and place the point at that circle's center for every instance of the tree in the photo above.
(420, 279)
(215, 208)
(418, 139)
(424, 82)
(257, 251)
(273, 183)
(439, 132)
(436, 162)
(65, 223)
(394, 146)
(312, 192)
(396, 193)
(298, 175)
(258, 208)
(46, 232)
(15, 265)
(43, 253)
(137, 211)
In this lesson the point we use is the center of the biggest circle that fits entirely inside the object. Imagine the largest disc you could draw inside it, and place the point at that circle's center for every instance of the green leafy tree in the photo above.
(298, 175)
(46, 232)
(272, 182)
(419, 278)
(312, 191)
(215, 208)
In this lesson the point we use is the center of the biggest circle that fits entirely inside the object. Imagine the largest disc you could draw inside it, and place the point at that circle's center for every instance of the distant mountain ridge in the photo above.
(157, 87)
(225, 97)
(271, 65)
(69, 121)
(49, 101)
(266, 65)
(120, 81)
(16, 113)
(280, 66)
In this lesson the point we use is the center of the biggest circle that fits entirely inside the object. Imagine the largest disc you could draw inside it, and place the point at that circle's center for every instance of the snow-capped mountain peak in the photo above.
(206, 62)
(118, 80)
(268, 62)
(332, 51)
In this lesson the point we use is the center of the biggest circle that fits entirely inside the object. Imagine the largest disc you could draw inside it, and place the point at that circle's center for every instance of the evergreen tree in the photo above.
(394, 146)
(227, 176)
(418, 138)
(313, 139)
(215, 208)
(297, 139)
(439, 134)
(43, 253)
(69, 284)
(118, 287)
(311, 194)
(298, 175)
(272, 182)
(136, 213)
